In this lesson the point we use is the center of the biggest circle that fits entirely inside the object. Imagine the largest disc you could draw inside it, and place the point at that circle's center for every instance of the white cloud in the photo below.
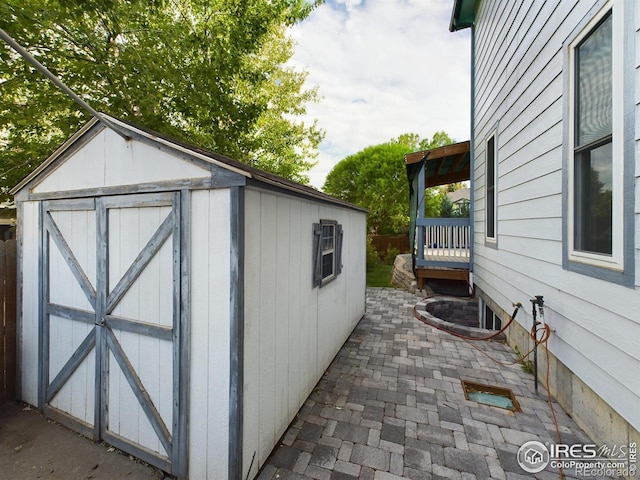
(383, 67)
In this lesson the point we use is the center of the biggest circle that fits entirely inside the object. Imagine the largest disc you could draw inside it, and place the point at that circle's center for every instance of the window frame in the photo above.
(483, 309)
(319, 252)
(324, 252)
(491, 240)
(615, 260)
(618, 267)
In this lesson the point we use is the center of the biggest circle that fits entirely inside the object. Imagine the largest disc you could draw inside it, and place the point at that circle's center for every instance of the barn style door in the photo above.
(113, 331)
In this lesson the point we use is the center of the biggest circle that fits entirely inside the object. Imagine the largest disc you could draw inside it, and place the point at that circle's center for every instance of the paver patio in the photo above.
(391, 406)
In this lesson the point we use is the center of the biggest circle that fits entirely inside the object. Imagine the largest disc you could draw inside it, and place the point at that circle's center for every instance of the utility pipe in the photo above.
(539, 302)
(45, 71)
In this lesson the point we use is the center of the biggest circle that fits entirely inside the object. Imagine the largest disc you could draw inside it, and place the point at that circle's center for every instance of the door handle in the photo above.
(101, 322)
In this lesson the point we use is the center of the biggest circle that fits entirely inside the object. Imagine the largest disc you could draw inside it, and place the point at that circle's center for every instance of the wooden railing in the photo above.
(443, 242)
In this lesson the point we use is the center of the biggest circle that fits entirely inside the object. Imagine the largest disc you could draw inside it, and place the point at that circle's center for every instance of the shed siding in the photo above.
(292, 331)
(108, 160)
(79, 230)
(149, 300)
(28, 329)
(209, 335)
(519, 92)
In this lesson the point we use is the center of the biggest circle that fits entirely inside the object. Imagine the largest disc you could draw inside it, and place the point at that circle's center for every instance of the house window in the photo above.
(488, 318)
(595, 164)
(593, 153)
(327, 252)
(491, 173)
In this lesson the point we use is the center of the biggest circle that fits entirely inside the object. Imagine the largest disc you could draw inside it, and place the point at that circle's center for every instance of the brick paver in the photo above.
(391, 406)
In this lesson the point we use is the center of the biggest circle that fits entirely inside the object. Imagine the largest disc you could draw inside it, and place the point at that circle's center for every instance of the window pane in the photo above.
(593, 200)
(491, 180)
(488, 317)
(327, 237)
(327, 265)
(594, 90)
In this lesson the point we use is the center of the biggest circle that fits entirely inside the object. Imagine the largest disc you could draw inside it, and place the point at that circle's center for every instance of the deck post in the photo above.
(420, 214)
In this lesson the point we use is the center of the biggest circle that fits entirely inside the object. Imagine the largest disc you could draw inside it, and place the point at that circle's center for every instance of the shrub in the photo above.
(391, 255)
(372, 255)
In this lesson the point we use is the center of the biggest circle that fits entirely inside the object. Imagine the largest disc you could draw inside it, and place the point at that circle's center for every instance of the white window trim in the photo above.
(494, 239)
(616, 260)
(329, 251)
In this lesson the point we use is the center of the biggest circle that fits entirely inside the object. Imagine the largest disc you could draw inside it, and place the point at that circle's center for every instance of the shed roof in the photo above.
(444, 165)
(253, 175)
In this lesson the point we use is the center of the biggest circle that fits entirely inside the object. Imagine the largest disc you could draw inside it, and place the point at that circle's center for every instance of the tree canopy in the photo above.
(211, 72)
(375, 178)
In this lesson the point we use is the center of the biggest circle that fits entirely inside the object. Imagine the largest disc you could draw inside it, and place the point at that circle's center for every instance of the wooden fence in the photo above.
(382, 242)
(7, 320)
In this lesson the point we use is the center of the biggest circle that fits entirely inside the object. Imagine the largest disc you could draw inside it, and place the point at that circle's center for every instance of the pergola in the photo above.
(441, 247)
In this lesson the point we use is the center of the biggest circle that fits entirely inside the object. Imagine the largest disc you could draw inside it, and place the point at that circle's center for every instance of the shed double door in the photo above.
(112, 326)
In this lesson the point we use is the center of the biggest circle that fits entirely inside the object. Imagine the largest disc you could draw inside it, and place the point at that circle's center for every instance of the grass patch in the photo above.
(379, 276)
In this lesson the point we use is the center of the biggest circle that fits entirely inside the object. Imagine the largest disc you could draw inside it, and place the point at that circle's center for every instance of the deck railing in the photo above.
(443, 242)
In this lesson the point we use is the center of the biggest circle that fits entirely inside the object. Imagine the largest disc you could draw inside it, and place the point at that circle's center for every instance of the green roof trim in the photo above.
(463, 14)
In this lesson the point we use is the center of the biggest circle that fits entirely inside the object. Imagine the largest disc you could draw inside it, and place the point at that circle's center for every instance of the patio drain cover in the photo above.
(490, 395)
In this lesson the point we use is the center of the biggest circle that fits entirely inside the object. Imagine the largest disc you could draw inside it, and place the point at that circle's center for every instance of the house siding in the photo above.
(637, 138)
(519, 86)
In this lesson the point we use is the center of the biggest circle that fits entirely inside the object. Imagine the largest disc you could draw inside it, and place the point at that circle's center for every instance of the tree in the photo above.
(375, 178)
(211, 72)
(446, 208)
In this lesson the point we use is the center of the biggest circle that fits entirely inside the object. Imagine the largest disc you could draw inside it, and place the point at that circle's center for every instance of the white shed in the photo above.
(178, 304)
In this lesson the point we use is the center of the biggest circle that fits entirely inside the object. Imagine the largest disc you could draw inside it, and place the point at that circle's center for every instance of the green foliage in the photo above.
(446, 207)
(433, 197)
(463, 210)
(375, 178)
(527, 365)
(211, 72)
(372, 255)
(391, 254)
(380, 276)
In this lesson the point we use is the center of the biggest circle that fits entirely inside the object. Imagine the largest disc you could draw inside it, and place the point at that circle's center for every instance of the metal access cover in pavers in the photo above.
(490, 395)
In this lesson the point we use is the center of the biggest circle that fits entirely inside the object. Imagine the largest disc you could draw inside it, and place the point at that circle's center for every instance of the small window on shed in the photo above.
(327, 251)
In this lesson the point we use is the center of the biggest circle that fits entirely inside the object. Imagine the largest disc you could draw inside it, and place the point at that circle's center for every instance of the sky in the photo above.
(383, 68)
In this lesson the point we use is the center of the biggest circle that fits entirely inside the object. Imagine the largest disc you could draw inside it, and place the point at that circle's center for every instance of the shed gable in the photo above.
(107, 160)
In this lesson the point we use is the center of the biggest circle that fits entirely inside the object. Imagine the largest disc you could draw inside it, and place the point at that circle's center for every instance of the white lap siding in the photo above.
(519, 93)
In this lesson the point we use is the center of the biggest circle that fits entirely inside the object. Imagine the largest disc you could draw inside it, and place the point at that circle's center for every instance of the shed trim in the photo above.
(230, 173)
(318, 196)
(182, 298)
(196, 184)
(236, 332)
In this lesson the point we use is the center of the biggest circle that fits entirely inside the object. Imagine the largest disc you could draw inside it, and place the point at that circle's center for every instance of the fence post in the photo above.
(3, 328)
(7, 319)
